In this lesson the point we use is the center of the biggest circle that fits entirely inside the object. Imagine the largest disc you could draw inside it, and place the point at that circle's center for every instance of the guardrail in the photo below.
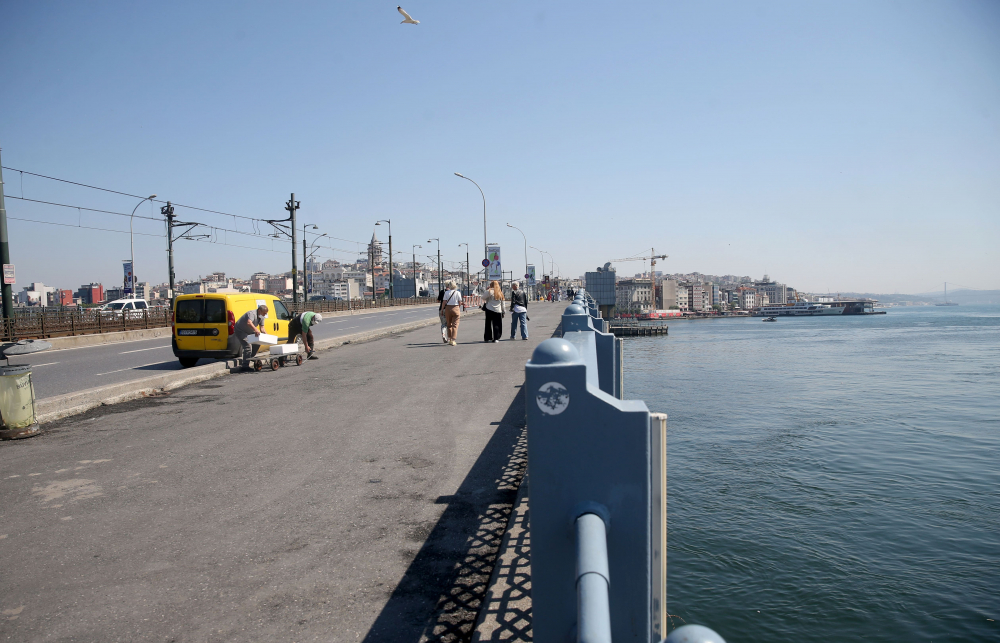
(597, 466)
(326, 306)
(42, 323)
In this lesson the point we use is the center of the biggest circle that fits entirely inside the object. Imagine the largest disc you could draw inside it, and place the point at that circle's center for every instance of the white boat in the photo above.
(798, 309)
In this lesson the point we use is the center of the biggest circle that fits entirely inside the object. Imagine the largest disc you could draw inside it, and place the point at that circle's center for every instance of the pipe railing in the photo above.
(598, 474)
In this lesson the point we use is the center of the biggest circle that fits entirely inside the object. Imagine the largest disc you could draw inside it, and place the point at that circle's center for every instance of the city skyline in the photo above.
(852, 146)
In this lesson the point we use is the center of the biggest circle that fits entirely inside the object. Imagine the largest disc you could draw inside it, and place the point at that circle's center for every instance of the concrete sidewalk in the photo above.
(358, 497)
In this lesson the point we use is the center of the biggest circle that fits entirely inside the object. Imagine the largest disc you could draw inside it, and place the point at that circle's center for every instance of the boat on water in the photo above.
(798, 309)
(946, 302)
(771, 319)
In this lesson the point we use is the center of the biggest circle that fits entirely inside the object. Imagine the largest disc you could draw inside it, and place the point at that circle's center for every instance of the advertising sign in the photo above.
(531, 275)
(493, 271)
(8, 273)
(127, 265)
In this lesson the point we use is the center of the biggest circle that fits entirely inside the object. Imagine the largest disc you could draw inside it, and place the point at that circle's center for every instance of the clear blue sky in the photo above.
(836, 145)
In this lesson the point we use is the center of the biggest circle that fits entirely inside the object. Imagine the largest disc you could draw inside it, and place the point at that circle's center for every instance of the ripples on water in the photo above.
(832, 478)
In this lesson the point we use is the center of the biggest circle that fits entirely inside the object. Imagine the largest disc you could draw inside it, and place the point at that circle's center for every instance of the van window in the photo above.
(128, 306)
(190, 311)
(215, 311)
(141, 305)
(280, 311)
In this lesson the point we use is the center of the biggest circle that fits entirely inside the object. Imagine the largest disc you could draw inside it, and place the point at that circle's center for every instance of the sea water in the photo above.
(831, 478)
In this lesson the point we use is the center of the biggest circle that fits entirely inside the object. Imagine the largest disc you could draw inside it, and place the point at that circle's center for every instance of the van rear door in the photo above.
(282, 317)
(189, 324)
(216, 326)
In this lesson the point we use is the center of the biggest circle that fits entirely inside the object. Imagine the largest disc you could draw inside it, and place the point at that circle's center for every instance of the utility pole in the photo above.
(8, 291)
(291, 206)
(168, 212)
(305, 269)
(414, 265)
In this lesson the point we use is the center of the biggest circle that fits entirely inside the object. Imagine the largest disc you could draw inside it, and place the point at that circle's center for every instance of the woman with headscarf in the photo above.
(493, 306)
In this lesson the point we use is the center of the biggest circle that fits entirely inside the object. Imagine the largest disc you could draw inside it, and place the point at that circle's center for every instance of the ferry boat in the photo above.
(799, 308)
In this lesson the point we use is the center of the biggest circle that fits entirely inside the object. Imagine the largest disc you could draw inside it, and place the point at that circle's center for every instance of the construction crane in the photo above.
(652, 269)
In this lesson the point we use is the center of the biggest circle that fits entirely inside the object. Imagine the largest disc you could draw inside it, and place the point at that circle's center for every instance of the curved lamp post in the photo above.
(541, 253)
(392, 294)
(439, 261)
(485, 253)
(414, 265)
(305, 259)
(468, 277)
(131, 245)
(525, 248)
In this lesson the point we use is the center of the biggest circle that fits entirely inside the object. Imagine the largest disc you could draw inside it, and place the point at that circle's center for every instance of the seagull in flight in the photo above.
(409, 20)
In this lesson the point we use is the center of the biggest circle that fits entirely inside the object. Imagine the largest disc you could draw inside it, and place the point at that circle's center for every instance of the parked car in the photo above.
(205, 325)
(130, 307)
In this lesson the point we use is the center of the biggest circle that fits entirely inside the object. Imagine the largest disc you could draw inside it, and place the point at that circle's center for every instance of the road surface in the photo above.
(55, 372)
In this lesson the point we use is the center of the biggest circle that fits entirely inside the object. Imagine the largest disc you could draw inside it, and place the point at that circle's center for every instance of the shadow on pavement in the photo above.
(439, 596)
(164, 366)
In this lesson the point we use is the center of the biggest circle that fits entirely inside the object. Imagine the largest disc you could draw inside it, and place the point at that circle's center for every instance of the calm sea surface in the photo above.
(832, 478)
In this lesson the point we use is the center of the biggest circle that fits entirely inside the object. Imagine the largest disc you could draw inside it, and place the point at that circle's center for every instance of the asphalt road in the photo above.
(55, 372)
(360, 497)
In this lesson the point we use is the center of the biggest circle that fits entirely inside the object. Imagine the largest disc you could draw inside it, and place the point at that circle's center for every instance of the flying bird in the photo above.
(409, 20)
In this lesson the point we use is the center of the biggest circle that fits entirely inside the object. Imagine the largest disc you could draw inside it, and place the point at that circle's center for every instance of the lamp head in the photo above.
(459, 175)
(151, 197)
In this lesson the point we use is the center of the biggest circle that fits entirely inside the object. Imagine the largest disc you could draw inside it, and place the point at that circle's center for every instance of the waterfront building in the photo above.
(633, 296)
(775, 292)
(601, 286)
(747, 297)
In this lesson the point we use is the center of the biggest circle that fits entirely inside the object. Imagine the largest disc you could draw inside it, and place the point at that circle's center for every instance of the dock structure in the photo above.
(623, 328)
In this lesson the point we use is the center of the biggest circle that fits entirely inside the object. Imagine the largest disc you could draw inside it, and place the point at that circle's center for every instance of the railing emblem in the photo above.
(552, 398)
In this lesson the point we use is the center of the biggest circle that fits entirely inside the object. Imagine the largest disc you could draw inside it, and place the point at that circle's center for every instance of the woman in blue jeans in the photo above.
(518, 311)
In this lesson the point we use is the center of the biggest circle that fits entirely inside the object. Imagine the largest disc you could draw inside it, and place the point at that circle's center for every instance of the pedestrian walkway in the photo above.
(360, 497)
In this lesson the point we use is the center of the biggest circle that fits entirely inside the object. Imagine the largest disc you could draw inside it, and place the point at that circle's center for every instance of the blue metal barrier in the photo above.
(598, 472)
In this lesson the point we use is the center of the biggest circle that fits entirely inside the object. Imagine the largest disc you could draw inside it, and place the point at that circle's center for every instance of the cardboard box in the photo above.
(284, 349)
(263, 338)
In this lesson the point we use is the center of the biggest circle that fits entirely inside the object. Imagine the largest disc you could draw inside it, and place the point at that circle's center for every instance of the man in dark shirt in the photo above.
(518, 311)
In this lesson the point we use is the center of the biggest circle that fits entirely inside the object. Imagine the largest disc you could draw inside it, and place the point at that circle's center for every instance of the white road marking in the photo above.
(45, 364)
(139, 350)
(131, 368)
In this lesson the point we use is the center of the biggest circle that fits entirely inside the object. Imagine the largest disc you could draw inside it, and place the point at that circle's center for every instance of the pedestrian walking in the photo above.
(493, 307)
(302, 325)
(451, 304)
(518, 311)
(442, 318)
(250, 323)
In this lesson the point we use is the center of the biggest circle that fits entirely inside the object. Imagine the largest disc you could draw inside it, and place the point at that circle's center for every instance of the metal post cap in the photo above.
(555, 351)
(693, 634)
(575, 309)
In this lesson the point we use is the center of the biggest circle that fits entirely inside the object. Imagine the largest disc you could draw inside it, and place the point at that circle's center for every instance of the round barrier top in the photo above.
(24, 347)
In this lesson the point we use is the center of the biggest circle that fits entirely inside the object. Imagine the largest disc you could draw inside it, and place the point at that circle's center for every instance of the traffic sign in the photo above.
(486, 263)
(8, 273)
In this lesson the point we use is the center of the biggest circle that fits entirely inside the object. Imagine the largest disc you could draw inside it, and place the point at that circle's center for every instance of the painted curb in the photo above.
(57, 407)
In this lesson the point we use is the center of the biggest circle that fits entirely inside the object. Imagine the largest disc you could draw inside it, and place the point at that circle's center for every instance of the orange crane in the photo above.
(652, 269)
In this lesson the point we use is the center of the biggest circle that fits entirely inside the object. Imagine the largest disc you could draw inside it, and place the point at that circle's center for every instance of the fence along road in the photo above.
(56, 372)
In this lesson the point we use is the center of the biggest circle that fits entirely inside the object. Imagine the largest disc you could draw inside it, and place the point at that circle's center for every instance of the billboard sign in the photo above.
(493, 271)
(531, 275)
(127, 265)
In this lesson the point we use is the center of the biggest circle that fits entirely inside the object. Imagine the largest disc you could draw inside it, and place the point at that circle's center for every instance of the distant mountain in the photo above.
(961, 296)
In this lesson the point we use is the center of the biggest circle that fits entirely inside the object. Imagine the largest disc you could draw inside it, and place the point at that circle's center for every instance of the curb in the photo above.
(117, 337)
(60, 406)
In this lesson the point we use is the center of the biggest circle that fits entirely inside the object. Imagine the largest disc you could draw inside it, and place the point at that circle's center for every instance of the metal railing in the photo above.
(597, 467)
(47, 322)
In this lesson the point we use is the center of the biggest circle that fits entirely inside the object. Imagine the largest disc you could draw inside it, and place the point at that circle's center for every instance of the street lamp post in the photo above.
(392, 294)
(485, 253)
(541, 253)
(468, 276)
(305, 264)
(131, 245)
(525, 249)
(439, 261)
(414, 266)
(305, 259)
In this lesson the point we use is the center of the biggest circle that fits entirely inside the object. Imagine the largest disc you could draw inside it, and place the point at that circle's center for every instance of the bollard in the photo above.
(693, 634)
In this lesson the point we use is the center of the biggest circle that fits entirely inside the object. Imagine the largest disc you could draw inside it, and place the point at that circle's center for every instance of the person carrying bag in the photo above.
(451, 304)
(518, 311)
(493, 307)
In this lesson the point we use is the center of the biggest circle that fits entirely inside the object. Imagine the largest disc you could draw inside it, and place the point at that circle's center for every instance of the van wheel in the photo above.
(188, 362)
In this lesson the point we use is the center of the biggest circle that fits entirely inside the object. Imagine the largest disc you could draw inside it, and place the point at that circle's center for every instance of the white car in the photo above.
(130, 307)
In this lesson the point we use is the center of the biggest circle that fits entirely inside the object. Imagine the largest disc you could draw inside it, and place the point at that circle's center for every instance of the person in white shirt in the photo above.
(451, 304)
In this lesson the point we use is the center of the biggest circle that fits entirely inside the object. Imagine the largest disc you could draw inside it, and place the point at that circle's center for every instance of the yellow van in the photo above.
(205, 325)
